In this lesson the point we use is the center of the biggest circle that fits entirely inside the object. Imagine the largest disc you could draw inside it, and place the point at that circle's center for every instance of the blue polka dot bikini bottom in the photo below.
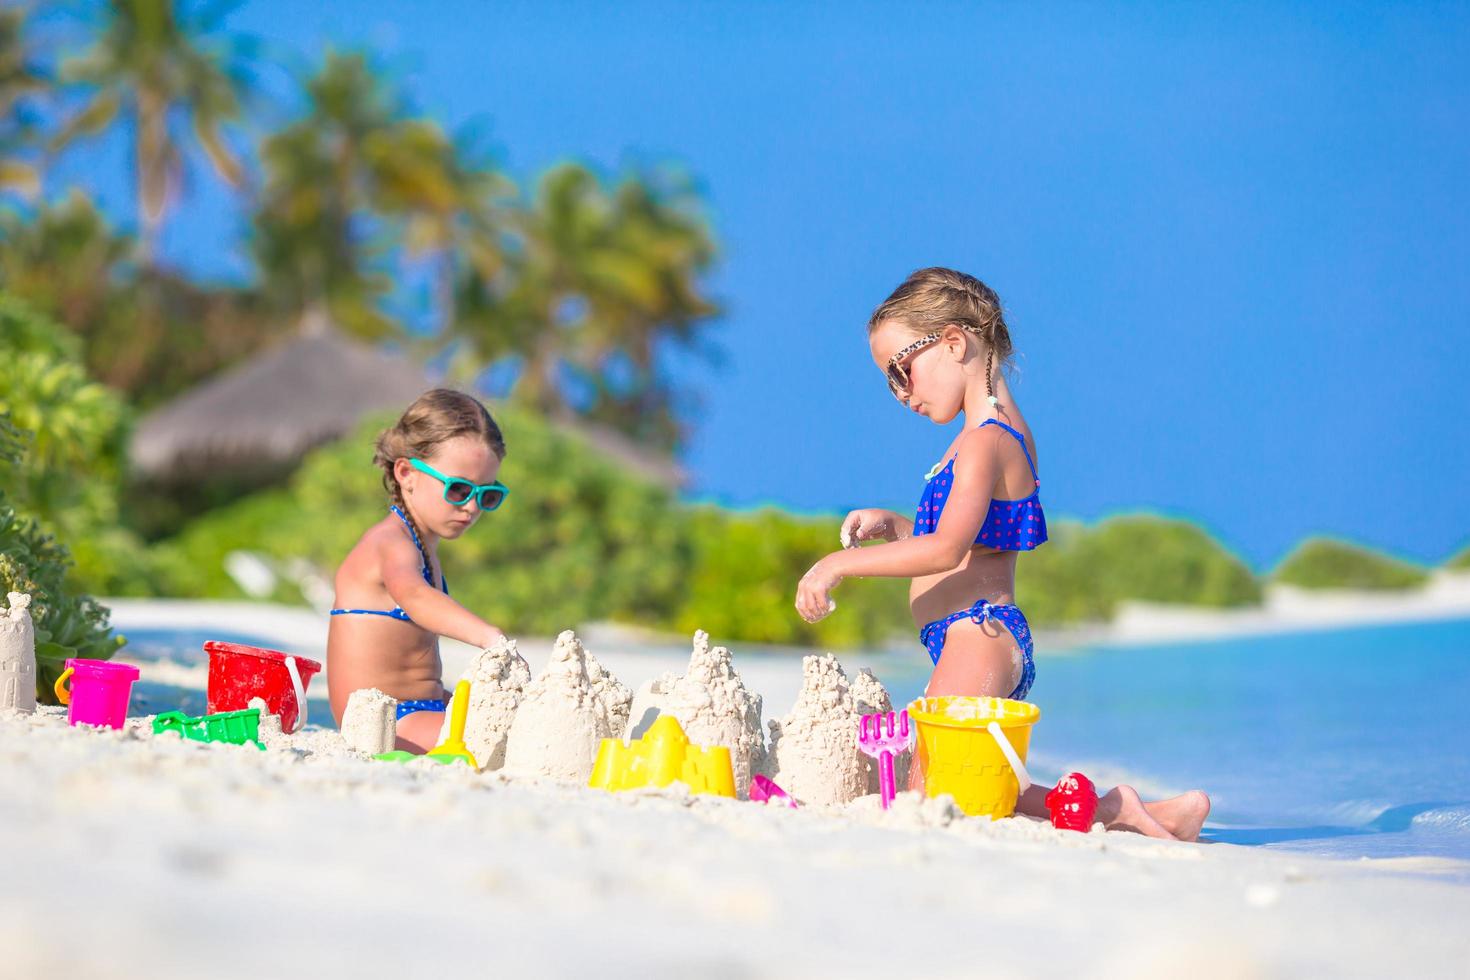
(423, 704)
(1009, 616)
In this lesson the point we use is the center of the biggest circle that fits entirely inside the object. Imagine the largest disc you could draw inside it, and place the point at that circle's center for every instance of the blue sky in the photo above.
(1233, 243)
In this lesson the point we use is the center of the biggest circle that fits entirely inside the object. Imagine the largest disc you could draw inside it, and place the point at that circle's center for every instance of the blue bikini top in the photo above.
(395, 612)
(1011, 525)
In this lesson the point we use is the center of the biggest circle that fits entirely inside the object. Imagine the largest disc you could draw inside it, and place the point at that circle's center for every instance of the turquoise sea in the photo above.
(1346, 743)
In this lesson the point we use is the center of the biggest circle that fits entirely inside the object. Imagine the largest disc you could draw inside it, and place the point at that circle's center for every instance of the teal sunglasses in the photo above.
(459, 491)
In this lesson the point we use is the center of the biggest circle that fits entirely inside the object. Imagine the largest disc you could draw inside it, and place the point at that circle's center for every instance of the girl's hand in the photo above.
(813, 592)
(493, 635)
(869, 524)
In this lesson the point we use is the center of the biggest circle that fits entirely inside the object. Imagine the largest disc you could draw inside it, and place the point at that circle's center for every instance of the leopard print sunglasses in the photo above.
(898, 368)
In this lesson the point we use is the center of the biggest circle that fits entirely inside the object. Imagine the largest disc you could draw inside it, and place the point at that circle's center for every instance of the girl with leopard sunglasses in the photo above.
(940, 340)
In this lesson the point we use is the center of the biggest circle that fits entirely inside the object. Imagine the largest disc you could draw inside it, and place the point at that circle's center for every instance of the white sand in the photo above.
(129, 856)
(813, 753)
(17, 654)
(369, 722)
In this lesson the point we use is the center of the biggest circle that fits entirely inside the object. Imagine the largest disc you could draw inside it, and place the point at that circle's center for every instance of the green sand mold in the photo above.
(230, 727)
(398, 755)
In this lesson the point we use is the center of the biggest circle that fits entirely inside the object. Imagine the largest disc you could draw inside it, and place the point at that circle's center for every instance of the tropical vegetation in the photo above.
(564, 295)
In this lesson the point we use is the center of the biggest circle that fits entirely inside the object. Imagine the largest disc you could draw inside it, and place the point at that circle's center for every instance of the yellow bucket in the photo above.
(959, 756)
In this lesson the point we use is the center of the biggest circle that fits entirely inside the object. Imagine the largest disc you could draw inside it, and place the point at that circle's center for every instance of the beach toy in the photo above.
(881, 736)
(453, 747)
(238, 673)
(99, 691)
(230, 727)
(1073, 803)
(661, 757)
(961, 754)
(763, 789)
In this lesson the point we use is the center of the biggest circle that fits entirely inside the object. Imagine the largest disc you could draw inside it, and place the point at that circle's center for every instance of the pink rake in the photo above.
(881, 736)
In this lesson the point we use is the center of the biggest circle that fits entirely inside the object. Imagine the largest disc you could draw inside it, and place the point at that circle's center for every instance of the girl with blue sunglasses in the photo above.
(440, 465)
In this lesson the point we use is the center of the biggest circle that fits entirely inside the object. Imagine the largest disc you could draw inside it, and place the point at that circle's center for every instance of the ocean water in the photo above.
(1347, 743)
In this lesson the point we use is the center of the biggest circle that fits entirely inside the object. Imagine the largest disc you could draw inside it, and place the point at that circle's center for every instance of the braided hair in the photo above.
(933, 298)
(433, 419)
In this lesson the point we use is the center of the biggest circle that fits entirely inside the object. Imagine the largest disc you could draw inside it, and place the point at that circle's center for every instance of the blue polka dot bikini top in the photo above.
(1011, 525)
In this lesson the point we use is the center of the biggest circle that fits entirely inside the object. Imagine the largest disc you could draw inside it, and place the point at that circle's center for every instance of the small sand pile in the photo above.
(564, 714)
(270, 733)
(870, 697)
(498, 678)
(17, 654)
(369, 724)
(813, 753)
(712, 705)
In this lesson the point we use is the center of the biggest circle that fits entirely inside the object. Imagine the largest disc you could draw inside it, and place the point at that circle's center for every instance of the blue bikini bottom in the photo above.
(932, 636)
(423, 704)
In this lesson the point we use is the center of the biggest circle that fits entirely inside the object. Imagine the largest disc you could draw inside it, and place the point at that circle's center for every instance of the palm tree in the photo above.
(314, 243)
(20, 82)
(599, 283)
(161, 70)
(451, 204)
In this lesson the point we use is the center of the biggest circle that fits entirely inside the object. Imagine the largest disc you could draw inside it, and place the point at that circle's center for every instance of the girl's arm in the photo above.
(427, 606)
(976, 468)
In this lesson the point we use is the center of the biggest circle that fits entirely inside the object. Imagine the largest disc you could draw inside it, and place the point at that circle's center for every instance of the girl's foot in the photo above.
(1121, 809)
(1181, 815)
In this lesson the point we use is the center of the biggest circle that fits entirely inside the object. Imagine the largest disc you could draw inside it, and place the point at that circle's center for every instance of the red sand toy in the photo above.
(238, 673)
(1073, 803)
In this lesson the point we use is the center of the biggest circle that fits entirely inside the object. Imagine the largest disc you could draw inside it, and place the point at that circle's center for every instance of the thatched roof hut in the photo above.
(276, 406)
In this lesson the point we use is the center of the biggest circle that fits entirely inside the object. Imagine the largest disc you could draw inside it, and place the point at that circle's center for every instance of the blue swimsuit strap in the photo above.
(1019, 438)
(428, 572)
(397, 613)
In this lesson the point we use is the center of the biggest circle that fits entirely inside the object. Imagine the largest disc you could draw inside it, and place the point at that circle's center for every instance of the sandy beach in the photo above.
(132, 855)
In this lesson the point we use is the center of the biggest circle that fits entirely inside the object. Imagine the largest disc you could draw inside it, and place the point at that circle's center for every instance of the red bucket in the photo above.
(238, 673)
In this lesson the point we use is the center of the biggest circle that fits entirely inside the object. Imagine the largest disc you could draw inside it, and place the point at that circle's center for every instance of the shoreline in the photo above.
(1285, 610)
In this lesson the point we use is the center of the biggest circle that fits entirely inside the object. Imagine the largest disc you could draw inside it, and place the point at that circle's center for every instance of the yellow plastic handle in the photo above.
(62, 694)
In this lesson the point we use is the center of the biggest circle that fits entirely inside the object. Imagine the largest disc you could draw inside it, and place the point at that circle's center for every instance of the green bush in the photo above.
(743, 583)
(67, 624)
(1081, 574)
(1460, 562)
(68, 477)
(579, 539)
(1326, 563)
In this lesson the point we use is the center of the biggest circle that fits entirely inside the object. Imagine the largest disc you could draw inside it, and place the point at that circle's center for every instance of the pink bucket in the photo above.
(99, 692)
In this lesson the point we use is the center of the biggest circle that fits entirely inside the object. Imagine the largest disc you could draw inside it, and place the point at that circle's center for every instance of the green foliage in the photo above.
(1082, 574)
(1460, 562)
(67, 625)
(743, 583)
(1326, 563)
(71, 467)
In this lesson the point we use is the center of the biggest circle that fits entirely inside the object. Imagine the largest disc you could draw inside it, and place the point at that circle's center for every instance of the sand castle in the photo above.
(813, 753)
(369, 723)
(498, 679)
(17, 654)
(564, 715)
(713, 706)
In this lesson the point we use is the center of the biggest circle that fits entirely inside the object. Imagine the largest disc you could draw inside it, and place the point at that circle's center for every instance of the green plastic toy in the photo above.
(232, 727)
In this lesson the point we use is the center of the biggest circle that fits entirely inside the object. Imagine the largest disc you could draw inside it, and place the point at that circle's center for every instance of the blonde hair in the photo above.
(433, 419)
(931, 299)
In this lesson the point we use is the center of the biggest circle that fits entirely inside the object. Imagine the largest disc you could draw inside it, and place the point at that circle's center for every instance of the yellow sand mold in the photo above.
(660, 757)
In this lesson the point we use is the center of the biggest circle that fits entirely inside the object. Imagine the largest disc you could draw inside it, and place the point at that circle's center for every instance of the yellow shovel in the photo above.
(453, 747)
